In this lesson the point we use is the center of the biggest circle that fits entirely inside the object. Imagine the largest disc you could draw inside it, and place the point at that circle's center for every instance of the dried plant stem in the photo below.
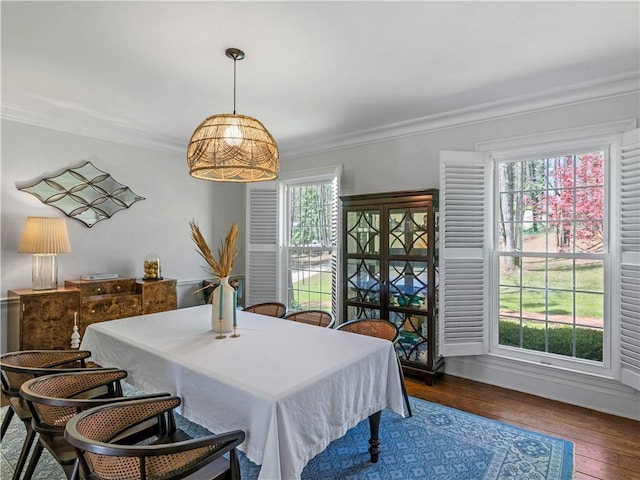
(227, 253)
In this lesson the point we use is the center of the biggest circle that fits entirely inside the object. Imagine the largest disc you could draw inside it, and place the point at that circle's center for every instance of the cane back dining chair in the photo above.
(272, 309)
(101, 438)
(381, 328)
(313, 317)
(18, 367)
(54, 399)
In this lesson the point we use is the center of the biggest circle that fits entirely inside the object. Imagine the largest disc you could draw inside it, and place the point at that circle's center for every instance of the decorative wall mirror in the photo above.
(84, 193)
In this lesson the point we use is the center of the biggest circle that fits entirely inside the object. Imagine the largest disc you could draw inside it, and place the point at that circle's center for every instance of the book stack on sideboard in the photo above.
(44, 319)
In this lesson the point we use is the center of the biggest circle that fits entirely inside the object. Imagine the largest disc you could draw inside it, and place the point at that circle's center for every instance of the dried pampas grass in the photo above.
(228, 253)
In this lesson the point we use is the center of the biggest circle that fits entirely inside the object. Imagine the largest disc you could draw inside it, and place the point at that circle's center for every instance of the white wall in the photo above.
(412, 162)
(158, 224)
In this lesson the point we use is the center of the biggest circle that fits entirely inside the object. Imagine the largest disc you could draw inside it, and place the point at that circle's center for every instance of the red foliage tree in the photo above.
(574, 200)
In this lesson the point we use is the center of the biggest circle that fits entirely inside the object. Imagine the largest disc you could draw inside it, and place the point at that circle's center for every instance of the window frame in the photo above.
(298, 178)
(551, 150)
(607, 137)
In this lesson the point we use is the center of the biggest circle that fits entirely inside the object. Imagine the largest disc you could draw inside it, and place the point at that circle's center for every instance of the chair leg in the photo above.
(24, 453)
(33, 462)
(404, 389)
(72, 471)
(234, 464)
(6, 421)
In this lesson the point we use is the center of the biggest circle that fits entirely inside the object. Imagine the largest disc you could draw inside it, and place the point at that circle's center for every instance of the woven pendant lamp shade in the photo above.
(232, 148)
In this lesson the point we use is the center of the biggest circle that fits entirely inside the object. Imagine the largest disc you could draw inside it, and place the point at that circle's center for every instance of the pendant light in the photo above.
(232, 148)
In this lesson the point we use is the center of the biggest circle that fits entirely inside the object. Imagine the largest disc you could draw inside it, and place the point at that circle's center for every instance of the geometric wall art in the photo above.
(84, 193)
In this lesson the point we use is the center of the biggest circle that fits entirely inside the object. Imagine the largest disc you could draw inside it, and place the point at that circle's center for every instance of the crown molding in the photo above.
(606, 88)
(107, 131)
(586, 92)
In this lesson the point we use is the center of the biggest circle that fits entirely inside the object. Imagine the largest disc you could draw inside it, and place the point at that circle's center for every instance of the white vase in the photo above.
(222, 307)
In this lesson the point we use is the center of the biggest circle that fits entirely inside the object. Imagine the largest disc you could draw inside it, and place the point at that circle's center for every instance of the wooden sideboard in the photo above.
(45, 318)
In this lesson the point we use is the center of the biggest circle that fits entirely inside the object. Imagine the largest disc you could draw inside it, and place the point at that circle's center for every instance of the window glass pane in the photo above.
(589, 236)
(534, 336)
(560, 307)
(590, 169)
(510, 332)
(560, 274)
(590, 275)
(510, 301)
(534, 301)
(534, 272)
(509, 274)
(590, 309)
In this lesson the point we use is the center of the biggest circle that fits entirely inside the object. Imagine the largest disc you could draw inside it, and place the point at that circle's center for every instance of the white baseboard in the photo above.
(588, 391)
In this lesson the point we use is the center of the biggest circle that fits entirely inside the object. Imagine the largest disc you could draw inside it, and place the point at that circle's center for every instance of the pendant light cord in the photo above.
(234, 84)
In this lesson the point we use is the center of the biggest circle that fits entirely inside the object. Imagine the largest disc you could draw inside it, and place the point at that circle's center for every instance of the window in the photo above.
(292, 240)
(550, 223)
(311, 245)
(540, 250)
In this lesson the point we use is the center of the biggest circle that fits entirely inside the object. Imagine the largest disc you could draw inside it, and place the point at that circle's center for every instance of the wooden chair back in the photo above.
(313, 317)
(272, 309)
(101, 438)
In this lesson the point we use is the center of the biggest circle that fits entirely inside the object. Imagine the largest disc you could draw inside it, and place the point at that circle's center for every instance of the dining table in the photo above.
(292, 388)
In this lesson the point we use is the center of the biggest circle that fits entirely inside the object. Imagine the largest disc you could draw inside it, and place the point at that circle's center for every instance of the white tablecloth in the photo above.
(293, 388)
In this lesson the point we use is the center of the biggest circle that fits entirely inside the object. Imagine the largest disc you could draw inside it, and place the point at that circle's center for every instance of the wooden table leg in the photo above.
(374, 441)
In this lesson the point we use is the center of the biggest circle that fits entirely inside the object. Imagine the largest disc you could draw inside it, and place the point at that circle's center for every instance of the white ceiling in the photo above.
(316, 73)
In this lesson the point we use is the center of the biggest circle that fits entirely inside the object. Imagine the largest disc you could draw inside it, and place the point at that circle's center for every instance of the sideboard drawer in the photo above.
(90, 288)
(109, 307)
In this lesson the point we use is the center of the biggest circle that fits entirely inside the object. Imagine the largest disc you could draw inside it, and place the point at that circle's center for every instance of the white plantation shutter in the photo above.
(262, 242)
(630, 260)
(335, 289)
(464, 274)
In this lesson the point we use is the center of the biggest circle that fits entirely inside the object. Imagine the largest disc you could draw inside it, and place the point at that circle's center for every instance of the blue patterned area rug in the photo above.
(437, 443)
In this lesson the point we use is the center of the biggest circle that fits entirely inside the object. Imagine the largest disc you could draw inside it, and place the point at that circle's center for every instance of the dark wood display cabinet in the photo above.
(390, 270)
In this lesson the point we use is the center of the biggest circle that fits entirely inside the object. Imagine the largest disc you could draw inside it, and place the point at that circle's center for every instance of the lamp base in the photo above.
(44, 273)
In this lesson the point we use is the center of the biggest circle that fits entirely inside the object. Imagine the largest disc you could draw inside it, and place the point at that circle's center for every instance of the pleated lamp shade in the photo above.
(44, 238)
(233, 148)
(45, 235)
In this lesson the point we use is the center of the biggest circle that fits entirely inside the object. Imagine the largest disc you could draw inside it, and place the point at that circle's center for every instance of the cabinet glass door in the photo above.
(363, 282)
(408, 278)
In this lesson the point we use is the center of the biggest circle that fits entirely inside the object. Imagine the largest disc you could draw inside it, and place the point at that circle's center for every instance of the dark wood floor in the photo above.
(606, 447)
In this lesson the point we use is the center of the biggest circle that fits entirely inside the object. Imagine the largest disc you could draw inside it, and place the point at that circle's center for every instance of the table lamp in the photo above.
(44, 238)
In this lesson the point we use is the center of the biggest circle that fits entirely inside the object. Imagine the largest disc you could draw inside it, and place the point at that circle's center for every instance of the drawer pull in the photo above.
(118, 288)
(98, 289)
